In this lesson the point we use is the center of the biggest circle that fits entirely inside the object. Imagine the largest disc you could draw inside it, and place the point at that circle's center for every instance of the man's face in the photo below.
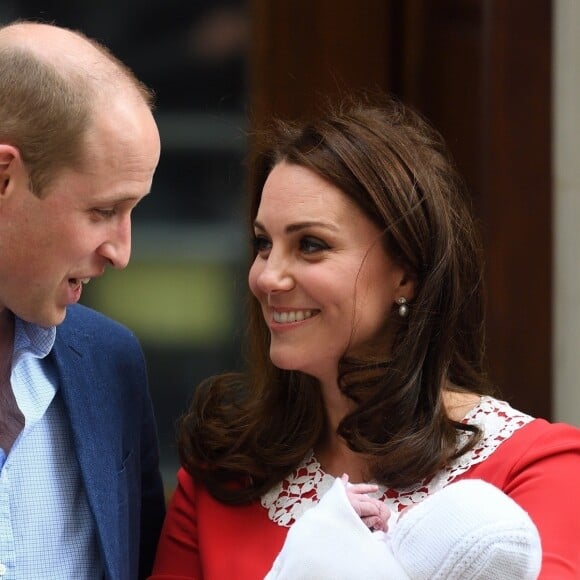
(51, 245)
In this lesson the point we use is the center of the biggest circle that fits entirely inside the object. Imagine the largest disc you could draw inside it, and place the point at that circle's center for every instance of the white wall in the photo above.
(566, 299)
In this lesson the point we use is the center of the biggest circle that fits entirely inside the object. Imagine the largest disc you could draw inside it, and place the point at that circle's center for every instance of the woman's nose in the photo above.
(275, 275)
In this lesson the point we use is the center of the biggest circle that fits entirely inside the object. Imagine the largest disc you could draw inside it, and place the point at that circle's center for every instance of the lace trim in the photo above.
(289, 499)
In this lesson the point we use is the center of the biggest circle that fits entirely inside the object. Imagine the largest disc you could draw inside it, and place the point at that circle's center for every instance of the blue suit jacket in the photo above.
(103, 382)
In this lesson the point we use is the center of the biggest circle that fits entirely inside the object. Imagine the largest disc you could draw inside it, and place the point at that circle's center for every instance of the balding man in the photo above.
(80, 491)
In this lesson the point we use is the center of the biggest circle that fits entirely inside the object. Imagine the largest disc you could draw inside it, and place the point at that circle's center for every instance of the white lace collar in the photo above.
(289, 499)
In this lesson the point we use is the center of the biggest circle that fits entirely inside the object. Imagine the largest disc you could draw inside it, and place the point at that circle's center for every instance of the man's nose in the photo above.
(117, 248)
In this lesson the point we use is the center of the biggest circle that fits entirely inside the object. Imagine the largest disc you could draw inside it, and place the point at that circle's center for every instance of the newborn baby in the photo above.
(469, 529)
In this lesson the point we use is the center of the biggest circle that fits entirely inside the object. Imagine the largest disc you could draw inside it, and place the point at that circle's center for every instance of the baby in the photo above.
(469, 529)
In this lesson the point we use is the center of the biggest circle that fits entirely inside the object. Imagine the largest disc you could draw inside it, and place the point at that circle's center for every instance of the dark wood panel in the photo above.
(305, 50)
(517, 205)
(444, 79)
(480, 71)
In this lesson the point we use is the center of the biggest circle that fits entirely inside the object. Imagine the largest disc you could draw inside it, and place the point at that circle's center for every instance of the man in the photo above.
(80, 491)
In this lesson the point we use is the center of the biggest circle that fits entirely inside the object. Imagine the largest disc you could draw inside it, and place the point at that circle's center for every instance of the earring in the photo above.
(403, 308)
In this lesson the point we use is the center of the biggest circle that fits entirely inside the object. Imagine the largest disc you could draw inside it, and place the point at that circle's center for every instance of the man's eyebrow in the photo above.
(296, 227)
(122, 198)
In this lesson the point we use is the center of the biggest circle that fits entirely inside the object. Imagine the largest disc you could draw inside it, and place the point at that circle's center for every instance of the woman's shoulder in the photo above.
(539, 439)
(506, 428)
(497, 422)
(512, 441)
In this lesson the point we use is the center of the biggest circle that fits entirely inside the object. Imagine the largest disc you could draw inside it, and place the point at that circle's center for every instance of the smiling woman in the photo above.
(321, 274)
(366, 358)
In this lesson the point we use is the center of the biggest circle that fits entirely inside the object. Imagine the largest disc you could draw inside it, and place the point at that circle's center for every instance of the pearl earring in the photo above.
(403, 308)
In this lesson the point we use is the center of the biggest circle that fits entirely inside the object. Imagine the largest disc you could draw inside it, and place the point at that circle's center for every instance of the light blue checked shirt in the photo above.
(46, 528)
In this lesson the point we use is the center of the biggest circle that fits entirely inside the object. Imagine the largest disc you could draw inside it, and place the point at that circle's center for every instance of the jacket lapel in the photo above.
(94, 424)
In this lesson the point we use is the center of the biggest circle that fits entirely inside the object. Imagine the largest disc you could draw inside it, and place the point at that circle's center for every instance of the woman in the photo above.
(366, 356)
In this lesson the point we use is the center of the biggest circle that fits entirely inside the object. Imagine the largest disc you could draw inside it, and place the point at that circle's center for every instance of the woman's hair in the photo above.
(46, 108)
(245, 432)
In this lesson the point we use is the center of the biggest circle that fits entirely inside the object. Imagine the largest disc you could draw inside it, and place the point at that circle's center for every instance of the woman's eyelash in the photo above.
(310, 245)
(307, 244)
(260, 243)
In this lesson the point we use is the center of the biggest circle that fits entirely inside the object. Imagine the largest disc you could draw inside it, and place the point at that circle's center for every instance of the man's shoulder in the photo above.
(84, 321)
(97, 338)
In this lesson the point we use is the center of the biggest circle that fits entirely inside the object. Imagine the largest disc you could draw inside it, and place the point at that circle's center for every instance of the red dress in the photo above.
(535, 462)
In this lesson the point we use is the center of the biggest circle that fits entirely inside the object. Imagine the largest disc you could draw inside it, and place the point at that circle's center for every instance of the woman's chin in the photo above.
(285, 362)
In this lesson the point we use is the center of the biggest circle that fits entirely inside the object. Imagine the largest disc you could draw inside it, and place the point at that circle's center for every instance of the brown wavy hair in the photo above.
(247, 431)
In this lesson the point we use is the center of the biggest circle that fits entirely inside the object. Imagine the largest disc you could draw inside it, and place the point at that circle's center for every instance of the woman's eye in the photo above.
(312, 245)
(261, 244)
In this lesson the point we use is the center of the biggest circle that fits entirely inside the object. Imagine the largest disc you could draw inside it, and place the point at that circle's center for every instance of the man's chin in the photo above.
(58, 318)
(48, 319)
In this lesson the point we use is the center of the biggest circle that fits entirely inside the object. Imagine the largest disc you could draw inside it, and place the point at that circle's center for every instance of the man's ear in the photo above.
(11, 167)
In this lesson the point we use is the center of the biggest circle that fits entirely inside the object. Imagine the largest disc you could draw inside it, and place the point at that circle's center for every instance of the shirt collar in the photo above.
(29, 337)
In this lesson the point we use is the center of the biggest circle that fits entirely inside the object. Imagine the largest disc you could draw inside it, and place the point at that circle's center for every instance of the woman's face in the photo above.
(321, 274)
